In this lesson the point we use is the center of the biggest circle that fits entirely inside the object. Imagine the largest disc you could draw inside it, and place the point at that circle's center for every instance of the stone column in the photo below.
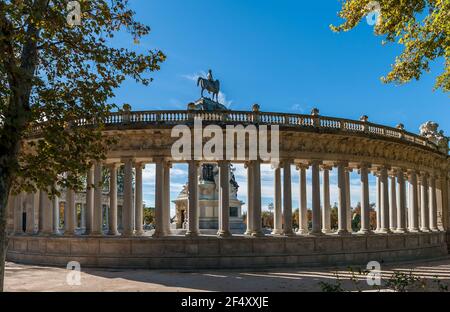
(424, 215)
(342, 204)
(128, 208)
(193, 209)
(159, 197)
(166, 210)
(139, 209)
(97, 228)
(257, 213)
(277, 215)
(315, 180)
(56, 221)
(90, 201)
(433, 204)
(303, 209)
(32, 205)
(401, 201)
(18, 214)
(378, 201)
(224, 199)
(384, 228)
(413, 205)
(249, 229)
(287, 199)
(393, 202)
(70, 213)
(83, 217)
(45, 214)
(326, 213)
(365, 204)
(348, 199)
(112, 212)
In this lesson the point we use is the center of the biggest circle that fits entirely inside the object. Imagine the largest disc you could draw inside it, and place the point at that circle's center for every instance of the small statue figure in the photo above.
(430, 131)
(208, 84)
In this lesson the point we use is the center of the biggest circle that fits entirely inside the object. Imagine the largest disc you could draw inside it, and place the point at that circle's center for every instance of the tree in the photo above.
(421, 26)
(54, 76)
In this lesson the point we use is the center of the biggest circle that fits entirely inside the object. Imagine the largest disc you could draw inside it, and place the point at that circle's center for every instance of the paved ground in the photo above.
(37, 278)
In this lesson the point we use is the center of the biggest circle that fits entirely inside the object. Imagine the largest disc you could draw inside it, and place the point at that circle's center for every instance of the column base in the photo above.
(435, 230)
(129, 234)
(414, 230)
(288, 234)
(302, 232)
(343, 232)
(400, 231)
(425, 230)
(277, 232)
(113, 233)
(159, 234)
(224, 234)
(327, 231)
(364, 232)
(317, 233)
(384, 231)
(139, 233)
(192, 234)
(257, 234)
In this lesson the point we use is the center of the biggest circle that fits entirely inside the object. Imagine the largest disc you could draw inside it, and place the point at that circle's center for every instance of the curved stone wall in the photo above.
(225, 253)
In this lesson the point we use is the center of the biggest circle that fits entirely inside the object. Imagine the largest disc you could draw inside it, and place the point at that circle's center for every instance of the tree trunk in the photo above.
(17, 114)
(4, 189)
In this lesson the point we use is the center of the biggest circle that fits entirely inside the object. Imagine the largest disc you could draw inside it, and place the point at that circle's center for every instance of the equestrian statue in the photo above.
(210, 85)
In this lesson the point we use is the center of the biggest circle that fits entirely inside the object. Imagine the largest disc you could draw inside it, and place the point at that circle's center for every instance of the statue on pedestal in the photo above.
(210, 85)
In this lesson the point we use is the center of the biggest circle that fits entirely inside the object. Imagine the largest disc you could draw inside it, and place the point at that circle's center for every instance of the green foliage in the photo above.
(332, 287)
(52, 73)
(402, 282)
(422, 27)
(397, 282)
(149, 215)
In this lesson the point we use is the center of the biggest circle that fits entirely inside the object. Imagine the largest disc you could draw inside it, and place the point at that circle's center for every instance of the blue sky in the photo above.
(280, 54)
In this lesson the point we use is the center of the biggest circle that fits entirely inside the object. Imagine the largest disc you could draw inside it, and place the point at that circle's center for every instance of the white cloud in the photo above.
(223, 99)
(194, 76)
(298, 108)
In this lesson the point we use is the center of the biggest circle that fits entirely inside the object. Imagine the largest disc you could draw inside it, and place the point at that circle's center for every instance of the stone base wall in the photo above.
(448, 241)
(235, 252)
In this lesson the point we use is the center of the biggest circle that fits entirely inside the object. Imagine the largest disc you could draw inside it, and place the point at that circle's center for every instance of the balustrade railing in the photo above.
(246, 117)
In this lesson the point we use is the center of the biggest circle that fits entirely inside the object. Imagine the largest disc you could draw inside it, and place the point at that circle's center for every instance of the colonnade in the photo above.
(395, 212)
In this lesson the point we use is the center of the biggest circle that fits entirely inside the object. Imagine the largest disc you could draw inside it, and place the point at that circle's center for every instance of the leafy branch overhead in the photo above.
(422, 27)
(52, 73)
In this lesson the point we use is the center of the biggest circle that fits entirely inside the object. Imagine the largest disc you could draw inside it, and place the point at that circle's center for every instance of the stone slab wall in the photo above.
(234, 252)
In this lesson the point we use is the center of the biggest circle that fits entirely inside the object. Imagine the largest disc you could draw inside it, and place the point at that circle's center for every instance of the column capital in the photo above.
(326, 167)
(139, 164)
(249, 162)
(301, 166)
(316, 162)
(364, 165)
(380, 168)
(112, 166)
(284, 162)
(348, 169)
(339, 163)
(125, 159)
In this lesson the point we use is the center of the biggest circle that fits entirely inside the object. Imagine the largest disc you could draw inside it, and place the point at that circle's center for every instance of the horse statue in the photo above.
(210, 85)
